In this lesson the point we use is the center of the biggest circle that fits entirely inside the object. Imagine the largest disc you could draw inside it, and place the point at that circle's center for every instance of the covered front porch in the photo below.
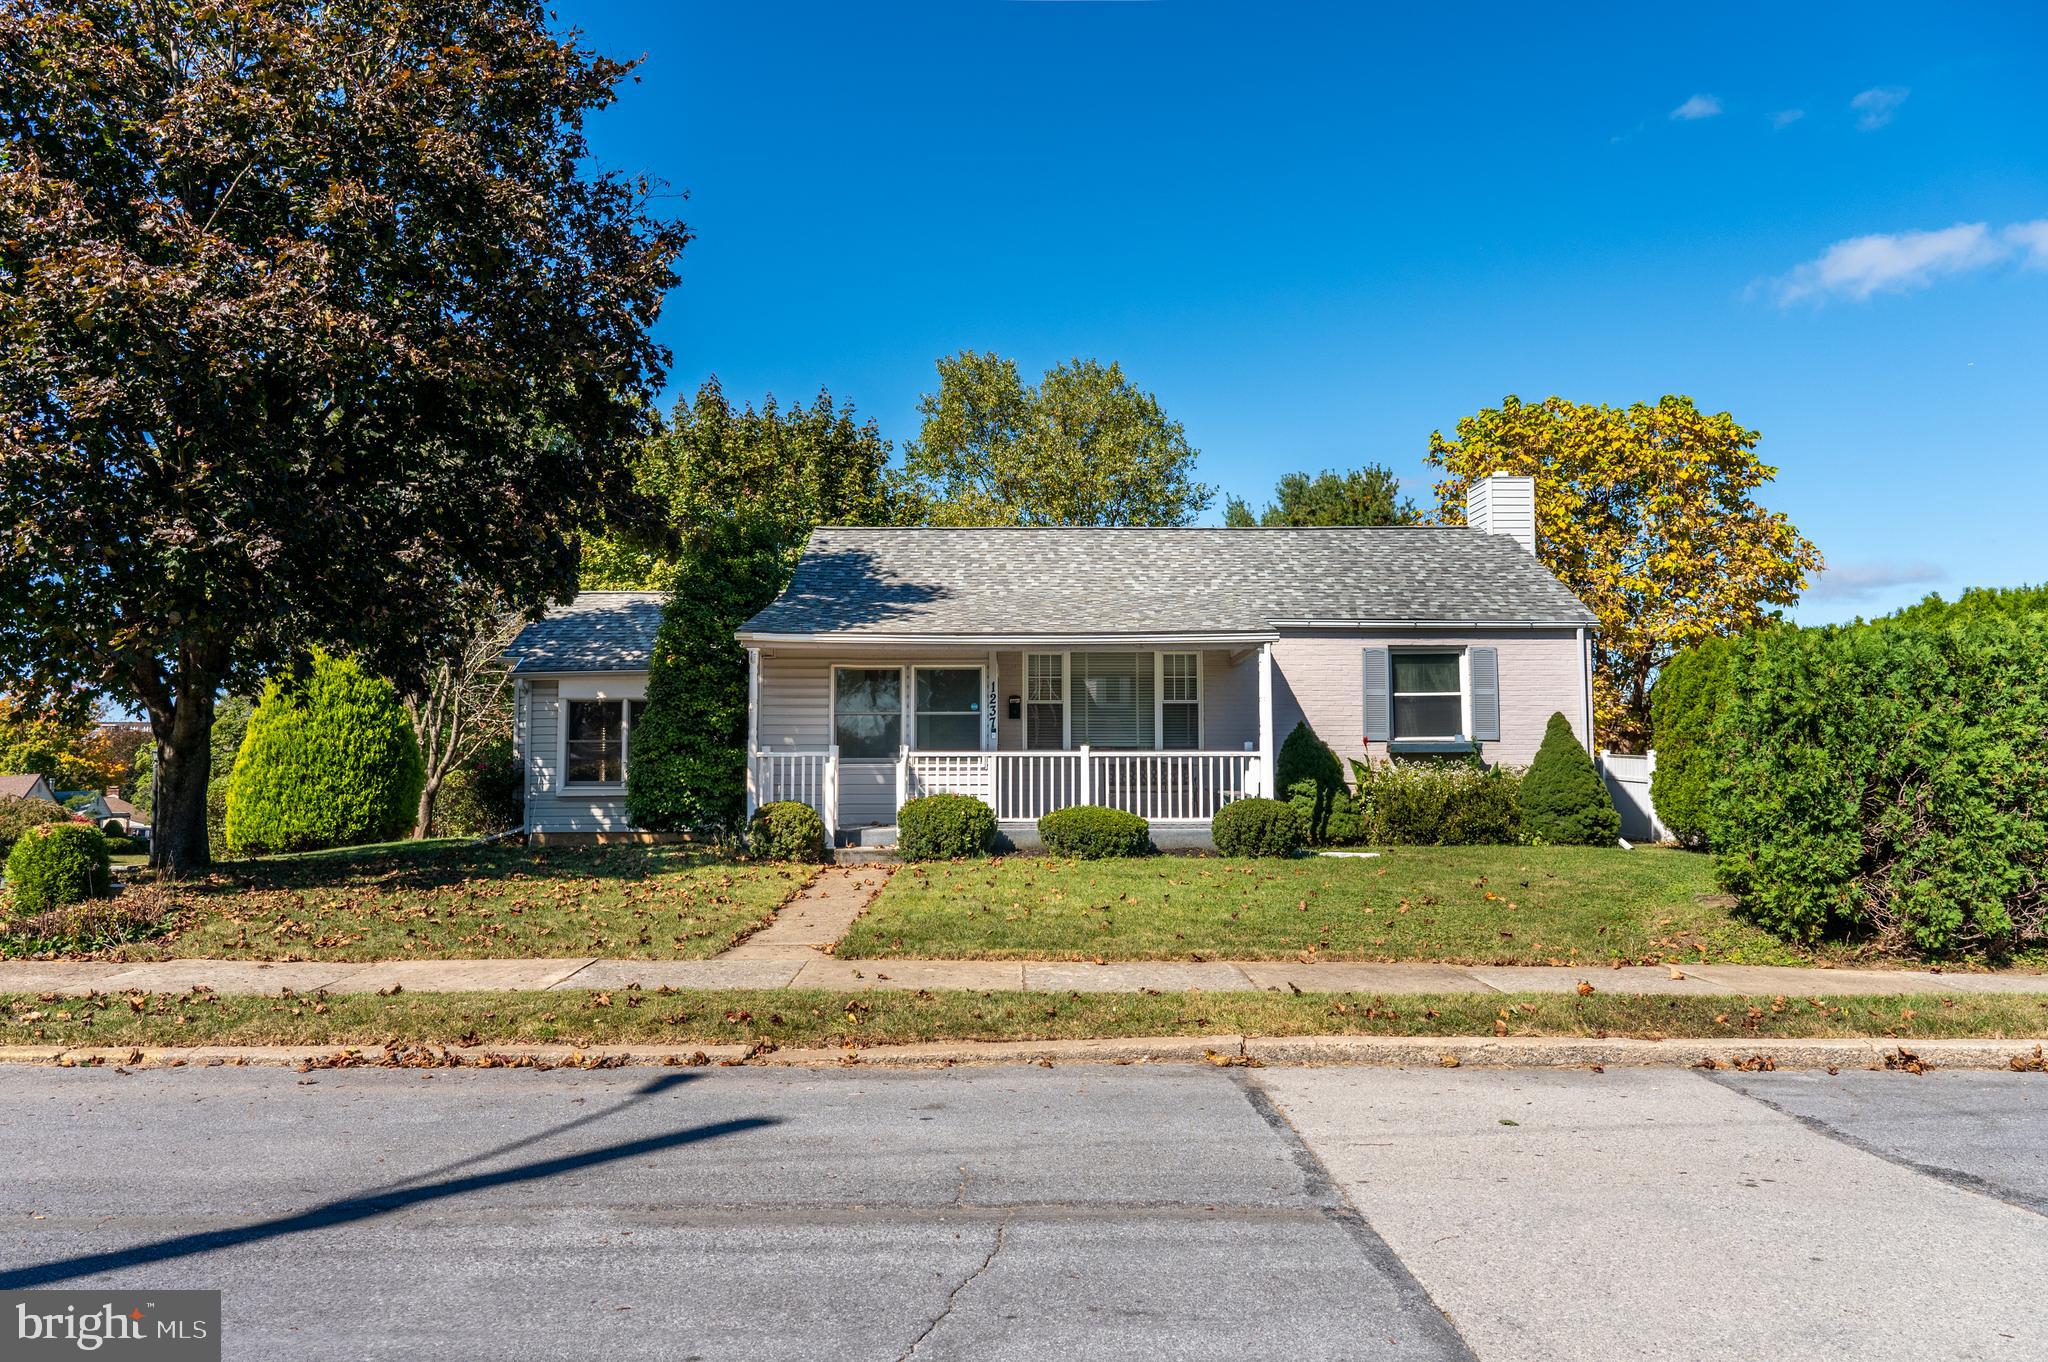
(1170, 729)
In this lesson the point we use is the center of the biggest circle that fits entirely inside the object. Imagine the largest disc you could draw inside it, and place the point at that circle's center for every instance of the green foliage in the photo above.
(1312, 779)
(56, 864)
(1085, 447)
(120, 844)
(1974, 603)
(1687, 696)
(1888, 781)
(945, 827)
(1363, 496)
(484, 796)
(688, 763)
(90, 924)
(787, 830)
(19, 815)
(1304, 756)
(1257, 827)
(1563, 800)
(313, 314)
(1431, 803)
(1090, 832)
(328, 762)
(795, 469)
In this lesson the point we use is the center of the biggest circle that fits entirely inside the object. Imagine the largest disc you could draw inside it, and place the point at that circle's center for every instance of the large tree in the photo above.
(1086, 446)
(1645, 513)
(1363, 496)
(792, 468)
(310, 313)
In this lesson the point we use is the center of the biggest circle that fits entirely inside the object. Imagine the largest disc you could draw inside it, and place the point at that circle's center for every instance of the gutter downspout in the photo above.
(1586, 683)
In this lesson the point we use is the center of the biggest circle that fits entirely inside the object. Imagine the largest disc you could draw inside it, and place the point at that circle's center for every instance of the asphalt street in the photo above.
(1073, 1212)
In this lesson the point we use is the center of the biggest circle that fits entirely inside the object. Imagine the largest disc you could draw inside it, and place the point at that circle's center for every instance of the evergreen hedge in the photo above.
(328, 761)
(687, 763)
(1889, 781)
(1563, 800)
(1090, 832)
(945, 827)
(1683, 703)
(56, 864)
(787, 830)
(1439, 803)
(1257, 827)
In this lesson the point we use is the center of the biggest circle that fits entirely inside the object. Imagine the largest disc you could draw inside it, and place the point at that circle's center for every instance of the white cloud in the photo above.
(1875, 107)
(1698, 107)
(1785, 118)
(1898, 262)
(1850, 582)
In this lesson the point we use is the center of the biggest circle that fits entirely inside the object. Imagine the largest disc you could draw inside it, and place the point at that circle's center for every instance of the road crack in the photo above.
(1002, 1230)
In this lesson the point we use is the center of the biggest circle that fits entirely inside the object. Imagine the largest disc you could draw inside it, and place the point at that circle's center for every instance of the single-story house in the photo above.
(1151, 669)
(27, 787)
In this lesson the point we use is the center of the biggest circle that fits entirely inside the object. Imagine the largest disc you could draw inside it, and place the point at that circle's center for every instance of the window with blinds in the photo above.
(1112, 702)
(1045, 701)
(1180, 700)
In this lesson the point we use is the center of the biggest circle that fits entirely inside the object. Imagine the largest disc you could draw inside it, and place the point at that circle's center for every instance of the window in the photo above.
(1180, 700)
(948, 709)
(867, 712)
(598, 737)
(1112, 699)
(1045, 701)
(1429, 701)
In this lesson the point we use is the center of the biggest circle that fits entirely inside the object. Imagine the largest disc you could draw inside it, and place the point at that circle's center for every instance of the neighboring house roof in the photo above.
(600, 631)
(119, 807)
(26, 787)
(1068, 581)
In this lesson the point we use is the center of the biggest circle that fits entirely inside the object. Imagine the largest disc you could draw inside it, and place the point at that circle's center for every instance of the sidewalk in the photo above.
(814, 970)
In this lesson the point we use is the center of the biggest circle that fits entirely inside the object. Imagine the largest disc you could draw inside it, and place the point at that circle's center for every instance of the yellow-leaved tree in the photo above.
(1646, 513)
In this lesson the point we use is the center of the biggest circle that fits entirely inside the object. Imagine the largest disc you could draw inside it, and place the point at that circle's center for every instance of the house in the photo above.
(27, 787)
(1150, 669)
(89, 804)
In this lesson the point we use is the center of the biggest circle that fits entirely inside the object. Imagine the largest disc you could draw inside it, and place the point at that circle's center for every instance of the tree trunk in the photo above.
(184, 764)
(424, 819)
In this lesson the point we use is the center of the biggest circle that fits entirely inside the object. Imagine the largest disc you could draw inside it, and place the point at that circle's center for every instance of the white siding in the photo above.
(1318, 676)
(548, 807)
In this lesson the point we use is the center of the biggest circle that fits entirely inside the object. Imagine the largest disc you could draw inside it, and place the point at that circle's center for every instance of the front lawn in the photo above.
(791, 1017)
(1460, 905)
(461, 901)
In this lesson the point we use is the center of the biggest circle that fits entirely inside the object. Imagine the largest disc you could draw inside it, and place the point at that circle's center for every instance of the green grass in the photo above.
(819, 1017)
(456, 900)
(1463, 905)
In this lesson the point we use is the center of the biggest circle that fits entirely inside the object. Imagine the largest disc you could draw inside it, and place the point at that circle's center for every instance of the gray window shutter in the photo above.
(1378, 683)
(1485, 667)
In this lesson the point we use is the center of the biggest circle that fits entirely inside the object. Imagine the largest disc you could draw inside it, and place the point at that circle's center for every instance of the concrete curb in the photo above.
(1397, 1052)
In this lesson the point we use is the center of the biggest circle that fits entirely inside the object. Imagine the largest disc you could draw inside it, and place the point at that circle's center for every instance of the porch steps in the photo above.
(866, 856)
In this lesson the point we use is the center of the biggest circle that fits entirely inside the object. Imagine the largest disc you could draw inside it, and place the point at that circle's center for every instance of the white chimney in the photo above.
(1502, 503)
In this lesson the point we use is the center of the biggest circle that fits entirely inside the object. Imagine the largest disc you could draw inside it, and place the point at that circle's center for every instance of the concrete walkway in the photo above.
(797, 965)
(809, 923)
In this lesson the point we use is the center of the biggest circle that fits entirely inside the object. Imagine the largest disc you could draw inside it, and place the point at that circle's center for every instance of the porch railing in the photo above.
(804, 777)
(1161, 787)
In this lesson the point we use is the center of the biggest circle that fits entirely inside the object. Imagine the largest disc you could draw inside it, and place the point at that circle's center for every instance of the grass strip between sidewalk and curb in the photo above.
(822, 1017)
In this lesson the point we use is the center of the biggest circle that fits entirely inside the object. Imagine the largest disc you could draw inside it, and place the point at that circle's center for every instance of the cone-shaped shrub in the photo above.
(330, 761)
(1564, 802)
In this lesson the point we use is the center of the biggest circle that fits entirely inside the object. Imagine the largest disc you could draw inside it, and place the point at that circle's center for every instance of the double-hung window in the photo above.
(1428, 696)
(1180, 700)
(1045, 701)
(598, 741)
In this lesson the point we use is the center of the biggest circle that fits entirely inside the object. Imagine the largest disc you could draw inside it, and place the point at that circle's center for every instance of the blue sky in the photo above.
(1320, 232)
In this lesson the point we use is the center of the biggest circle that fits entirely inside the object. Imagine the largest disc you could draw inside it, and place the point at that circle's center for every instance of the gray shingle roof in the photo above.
(1158, 581)
(600, 631)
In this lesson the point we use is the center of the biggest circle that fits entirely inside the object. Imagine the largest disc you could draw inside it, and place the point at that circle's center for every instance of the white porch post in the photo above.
(902, 777)
(830, 796)
(753, 730)
(1087, 776)
(1266, 720)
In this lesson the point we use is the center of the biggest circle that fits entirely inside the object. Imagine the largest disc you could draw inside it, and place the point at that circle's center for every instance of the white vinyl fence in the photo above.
(1627, 777)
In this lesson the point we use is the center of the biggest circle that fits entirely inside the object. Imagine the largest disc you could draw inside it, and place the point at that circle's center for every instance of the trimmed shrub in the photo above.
(1683, 703)
(19, 815)
(787, 830)
(484, 796)
(121, 844)
(1304, 756)
(1564, 802)
(329, 761)
(689, 764)
(1093, 833)
(1887, 781)
(945, 827)
(56, 864)
(1311, 779)
(1448, 803)
(1257, 827)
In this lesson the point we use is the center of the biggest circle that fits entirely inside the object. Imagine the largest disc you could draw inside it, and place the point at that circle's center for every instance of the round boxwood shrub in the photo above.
(1093, 833)
(19, 815)
(1257, 827)
(1564, 801)
(327, 762)
(945, 827)
(56, 864)
(787, 830)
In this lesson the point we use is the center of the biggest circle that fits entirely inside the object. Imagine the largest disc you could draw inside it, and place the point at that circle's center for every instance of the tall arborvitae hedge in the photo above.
(1688, 693)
